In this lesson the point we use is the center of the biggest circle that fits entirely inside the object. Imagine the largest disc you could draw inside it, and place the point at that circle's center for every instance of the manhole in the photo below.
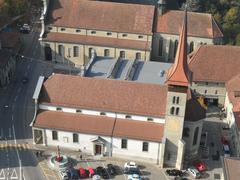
(217, 176)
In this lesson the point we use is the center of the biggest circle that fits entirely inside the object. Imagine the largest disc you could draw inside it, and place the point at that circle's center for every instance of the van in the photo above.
(226, 150)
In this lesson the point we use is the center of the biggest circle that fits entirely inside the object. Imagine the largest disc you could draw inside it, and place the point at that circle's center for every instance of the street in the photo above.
(17, 160)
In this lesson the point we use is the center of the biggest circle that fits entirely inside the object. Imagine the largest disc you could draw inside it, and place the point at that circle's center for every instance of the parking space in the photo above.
(147, 171)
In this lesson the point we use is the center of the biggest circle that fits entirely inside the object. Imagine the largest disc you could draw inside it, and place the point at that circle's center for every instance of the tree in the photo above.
(192, 5)
(231, 16)
(238, 40)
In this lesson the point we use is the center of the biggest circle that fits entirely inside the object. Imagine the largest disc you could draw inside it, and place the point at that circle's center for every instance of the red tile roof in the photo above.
(199, 24)
(99, 125)
(178, 73)
(98, 41)
(105, 94)
(215, 63)
(118, 17)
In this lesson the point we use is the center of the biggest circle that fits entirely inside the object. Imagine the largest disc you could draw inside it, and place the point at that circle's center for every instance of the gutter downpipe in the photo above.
(111, 144)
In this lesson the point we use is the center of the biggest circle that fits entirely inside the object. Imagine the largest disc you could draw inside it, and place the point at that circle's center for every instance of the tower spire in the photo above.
(179, 72)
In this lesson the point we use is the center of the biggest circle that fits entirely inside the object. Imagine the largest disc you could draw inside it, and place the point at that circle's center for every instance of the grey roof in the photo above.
(135, 70)
(100, 67)
(151, 72)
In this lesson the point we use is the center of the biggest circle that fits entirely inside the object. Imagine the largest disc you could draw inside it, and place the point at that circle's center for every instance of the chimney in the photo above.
(161, 6)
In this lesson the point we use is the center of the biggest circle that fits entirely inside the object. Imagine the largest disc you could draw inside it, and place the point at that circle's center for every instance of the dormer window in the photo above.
(102, 113)
(50, 28)
(140, 37)
(78, 111)
(109, 33)
(62, 29)
(93, 32)
(59, 109)
(150, 119)
(128, 117)
(124, 35)
(78, 30)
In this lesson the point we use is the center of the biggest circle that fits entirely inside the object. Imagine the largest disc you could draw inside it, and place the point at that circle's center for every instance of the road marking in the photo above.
(2, 174)
(14, 174)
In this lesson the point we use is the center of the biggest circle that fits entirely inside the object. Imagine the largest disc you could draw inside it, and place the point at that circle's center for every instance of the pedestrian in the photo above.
(80, 156)
(37, 153)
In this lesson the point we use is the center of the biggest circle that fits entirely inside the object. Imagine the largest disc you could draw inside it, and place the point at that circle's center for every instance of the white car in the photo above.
(130, 164)
(96, 177)
(63, 175)
(134, 177)
(194, 172)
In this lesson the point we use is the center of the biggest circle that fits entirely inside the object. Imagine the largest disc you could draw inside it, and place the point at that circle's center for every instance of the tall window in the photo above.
(186, 132)
(145, 147)
(75, 51)
(60, 50)
(191, 47)
(195, 137)
(160, 47)
(122, 54)
(75, 138)
(124, 144)
(177, 110)
(106, 52)
(90, 52)
(54, 135)
(138, 55)
(177, 100)
(175, 47)
(172, 110)
(174, 100)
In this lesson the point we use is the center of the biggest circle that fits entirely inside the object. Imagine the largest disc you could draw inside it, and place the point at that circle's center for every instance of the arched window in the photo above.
(177, 110)
(177, 100)
(138, 55)
(106, 52)
(122, 54)
(195, 137)
(175, 47)
(186, 132)
(174, 100)
(172, 110)
(191, 47)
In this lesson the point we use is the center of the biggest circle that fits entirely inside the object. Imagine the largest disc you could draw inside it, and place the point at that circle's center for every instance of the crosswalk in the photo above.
(20, 147)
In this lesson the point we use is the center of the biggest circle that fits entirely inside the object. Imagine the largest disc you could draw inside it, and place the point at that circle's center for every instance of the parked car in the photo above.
(63, 175)
(111, 169)
(131, 170)
(25, 29)
(73, 174)
(194, 172)
(83, 173)
(226, 150)
(91, 171)
(102, 172)
(96, 177)
(134, 177)
(130, 164)
(174, 172)
(200, 166)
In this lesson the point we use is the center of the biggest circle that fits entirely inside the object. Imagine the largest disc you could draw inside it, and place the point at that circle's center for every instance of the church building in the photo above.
(161, 124)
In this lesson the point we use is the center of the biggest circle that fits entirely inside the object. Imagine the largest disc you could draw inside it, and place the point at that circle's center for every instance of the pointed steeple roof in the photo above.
(178, 73)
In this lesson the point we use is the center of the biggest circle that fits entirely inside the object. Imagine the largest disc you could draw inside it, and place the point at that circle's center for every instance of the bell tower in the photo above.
(177, 82)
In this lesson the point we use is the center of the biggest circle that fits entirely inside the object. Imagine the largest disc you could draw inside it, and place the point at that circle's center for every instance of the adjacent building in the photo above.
(161, 123)
(202, 29)
(71, 28)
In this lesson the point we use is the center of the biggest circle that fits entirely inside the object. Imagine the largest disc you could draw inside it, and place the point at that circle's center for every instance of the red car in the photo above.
(83, 173)
(200, 166)
(91, 171)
